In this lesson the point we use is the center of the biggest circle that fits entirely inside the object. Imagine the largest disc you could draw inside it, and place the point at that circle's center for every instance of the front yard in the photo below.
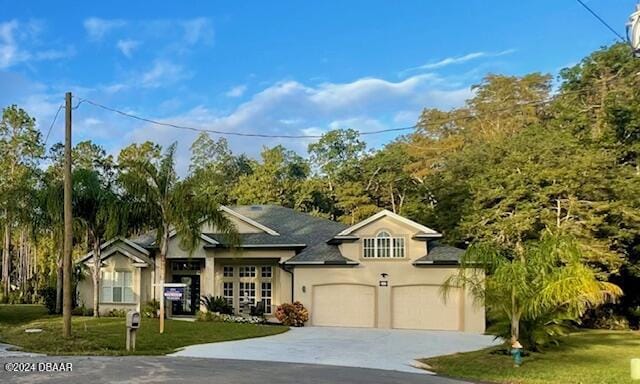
(589, 357)
(106, 336)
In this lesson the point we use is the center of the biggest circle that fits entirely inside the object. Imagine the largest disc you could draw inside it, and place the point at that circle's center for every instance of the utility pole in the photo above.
(68, 228)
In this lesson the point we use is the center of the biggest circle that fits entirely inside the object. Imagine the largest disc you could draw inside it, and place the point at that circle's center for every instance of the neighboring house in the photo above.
(384, 272)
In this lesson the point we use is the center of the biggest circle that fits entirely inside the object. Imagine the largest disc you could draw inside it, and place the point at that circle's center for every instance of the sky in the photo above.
(276, 67)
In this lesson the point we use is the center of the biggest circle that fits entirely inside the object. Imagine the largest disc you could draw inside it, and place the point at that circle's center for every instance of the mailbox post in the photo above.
(133, 323)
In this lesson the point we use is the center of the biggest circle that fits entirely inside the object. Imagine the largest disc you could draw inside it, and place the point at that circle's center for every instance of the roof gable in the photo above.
(386, 213)
(248, 220)
(123, 247)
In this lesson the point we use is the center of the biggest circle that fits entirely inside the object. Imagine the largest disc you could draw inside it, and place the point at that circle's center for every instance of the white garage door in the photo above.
(422, 307)
(343, 305)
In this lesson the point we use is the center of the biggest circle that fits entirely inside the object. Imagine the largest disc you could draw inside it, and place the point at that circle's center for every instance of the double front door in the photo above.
(191, 296)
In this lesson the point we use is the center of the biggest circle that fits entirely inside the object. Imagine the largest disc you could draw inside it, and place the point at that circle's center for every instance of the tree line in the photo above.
(529, 165)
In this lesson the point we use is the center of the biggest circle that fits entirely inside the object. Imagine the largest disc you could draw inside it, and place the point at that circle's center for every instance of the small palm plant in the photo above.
(216, 304)
(542, 285)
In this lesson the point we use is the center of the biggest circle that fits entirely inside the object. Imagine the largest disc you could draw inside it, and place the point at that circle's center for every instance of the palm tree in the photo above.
(543, 278)
(99, 210)
(170, 204)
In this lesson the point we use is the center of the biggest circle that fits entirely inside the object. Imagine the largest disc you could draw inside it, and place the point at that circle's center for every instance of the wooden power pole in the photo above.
(68, 227)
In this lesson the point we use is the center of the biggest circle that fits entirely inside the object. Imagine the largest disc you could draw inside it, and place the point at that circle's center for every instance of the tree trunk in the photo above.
(6, 257)
(164, 246)
(96, 276)
(59, 284)
(515, 317)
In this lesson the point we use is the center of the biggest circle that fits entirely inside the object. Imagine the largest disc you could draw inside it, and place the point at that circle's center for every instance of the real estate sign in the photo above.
(173, 293)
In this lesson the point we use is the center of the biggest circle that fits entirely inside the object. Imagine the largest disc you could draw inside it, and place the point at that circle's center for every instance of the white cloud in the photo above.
(162, 73)
(236, 91)
(9, 52)
(457, 60)
(19, 43)
(91, 121)
(198, 30)
(291, 107)
(97, 28)
(127, 46)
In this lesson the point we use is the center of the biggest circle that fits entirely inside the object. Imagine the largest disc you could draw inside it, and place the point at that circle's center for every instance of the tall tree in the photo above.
(20, 147)
(150, 178)
(335, 157)
(214, 168)
(278, 179)
(100, 211)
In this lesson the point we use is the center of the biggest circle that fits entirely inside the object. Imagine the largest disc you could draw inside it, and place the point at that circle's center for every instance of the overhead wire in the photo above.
(602, 21)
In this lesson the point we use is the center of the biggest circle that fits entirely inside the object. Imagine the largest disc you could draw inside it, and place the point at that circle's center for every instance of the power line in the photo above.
(361, 133)
(601, 20)
(52, 124)
(223, 133)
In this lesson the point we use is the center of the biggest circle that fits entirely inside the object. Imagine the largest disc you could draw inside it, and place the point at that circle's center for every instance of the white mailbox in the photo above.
(133, 323)
(133, 319)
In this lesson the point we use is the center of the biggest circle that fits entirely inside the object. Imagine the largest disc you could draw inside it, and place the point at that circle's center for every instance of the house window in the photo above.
(265, 294)
(247, 271)
(266, 272)
(383, 246)
(248, 291)
(369, 247)
(227, 291)
(227, 271)
(398, 247)
(117, 287)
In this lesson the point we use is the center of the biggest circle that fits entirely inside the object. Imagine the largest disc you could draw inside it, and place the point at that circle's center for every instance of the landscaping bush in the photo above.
(116, 313)
(151, 309)
(82, 311)
(216, 304)
(48, 295)
(294, 315)
(221, 317)
(604, 317)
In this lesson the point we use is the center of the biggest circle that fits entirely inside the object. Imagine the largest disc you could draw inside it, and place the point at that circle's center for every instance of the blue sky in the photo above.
(286, 67)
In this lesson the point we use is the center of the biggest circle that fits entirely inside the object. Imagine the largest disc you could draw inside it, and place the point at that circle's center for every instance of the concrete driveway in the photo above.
(351, 347)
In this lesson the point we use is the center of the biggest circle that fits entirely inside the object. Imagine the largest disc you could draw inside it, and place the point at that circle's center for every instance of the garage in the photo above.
(343, 305)
(423, 307)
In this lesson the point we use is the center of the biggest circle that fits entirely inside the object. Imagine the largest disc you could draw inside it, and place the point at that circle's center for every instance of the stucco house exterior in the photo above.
(384, 272)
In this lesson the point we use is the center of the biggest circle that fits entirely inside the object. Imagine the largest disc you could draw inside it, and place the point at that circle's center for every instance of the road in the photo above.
(142, 370)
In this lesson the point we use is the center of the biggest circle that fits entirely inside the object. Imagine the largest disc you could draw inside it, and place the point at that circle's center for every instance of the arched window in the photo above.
(383, 245)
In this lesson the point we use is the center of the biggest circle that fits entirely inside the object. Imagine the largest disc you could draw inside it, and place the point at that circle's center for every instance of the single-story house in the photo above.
(385, 271)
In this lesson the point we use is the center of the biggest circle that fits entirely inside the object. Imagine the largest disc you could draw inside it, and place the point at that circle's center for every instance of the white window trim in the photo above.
(392, 249)
(112, 284)
(256, 280)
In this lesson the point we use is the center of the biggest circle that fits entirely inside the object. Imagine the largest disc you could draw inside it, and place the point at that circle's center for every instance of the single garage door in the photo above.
(422, 307)
(343, 305)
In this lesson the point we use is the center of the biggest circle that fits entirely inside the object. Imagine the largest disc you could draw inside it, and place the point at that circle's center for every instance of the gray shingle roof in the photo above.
(299, 228)
(440, 254)
(257, 239)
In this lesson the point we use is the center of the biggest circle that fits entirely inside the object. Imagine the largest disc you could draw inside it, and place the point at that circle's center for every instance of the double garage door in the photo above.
(410, 307)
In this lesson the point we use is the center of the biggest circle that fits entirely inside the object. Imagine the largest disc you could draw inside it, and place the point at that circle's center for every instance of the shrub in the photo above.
(116, 313)
(48, 295)
(605, 317)
(151, 309)
(221, 317)
(82, 311)
(216, 304)
(294, 315)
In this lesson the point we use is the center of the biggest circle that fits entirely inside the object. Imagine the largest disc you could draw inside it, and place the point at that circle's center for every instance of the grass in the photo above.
(587, 357)
(106, 336)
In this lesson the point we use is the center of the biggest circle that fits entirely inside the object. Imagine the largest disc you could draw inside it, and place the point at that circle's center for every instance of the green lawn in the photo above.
(588, 357)
(106, 336)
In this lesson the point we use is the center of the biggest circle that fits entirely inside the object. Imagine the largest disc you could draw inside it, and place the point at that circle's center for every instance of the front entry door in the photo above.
(191, 297)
